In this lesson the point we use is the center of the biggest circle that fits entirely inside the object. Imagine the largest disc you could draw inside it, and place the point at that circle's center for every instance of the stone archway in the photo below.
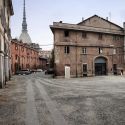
(100, 66)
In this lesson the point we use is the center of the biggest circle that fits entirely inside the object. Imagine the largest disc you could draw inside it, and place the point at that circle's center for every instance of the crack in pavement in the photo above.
(31, 112)
(51, 105)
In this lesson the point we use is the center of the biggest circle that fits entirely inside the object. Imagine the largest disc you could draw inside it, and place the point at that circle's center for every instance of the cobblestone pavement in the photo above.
(37, 99)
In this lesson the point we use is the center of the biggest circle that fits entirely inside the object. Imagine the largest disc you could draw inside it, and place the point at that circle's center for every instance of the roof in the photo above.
(23, 44)
(89, 28)
(100, 18)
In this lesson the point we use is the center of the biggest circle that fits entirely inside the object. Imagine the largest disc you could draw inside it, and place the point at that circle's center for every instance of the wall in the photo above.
(23, 56)
(76, 42)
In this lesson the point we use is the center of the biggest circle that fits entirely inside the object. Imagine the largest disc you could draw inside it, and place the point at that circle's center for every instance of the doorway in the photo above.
(115, 69)
(100, 66)
(84, 70)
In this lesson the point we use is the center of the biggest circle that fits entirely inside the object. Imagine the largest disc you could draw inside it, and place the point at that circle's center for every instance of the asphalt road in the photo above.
(37, 99)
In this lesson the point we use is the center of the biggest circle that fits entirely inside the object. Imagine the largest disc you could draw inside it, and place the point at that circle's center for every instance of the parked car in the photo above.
(39, 70)
(33, 71)
(49, 71)
(23, 72)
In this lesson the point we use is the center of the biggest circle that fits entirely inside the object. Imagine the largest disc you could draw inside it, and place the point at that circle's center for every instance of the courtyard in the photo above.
(37, 99)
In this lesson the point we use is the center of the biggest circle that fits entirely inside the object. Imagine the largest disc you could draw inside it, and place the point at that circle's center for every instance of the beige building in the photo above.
(92, 47)
(45, 57)
(6, 11)
(45, 53)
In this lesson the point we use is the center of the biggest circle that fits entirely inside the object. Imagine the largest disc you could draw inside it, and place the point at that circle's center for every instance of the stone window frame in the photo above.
(100, 50)
(66, 49)
(66, 33)
(84, 34)
(117, 38)
(114, 51)
(100, 36)
(84, 50)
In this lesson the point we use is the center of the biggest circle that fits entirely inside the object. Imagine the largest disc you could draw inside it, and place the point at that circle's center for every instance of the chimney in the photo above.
(106, 18)
(124, 25)
(60, 21)
(82, 18)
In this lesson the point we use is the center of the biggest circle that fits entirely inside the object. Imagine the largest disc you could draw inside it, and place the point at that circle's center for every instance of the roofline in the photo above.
(102, 19)
(11, 7)
(83, 28)
(22, 44)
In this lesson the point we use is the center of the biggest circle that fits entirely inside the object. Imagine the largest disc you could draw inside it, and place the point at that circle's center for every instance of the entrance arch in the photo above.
(100, 66)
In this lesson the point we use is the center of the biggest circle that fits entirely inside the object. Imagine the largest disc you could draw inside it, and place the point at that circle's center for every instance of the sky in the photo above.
(42, 13)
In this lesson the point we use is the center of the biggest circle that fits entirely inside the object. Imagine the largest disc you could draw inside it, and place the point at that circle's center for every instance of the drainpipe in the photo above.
(124, 40)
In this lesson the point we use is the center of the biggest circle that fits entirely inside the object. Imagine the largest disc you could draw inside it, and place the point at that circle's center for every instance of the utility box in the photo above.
(67, 72)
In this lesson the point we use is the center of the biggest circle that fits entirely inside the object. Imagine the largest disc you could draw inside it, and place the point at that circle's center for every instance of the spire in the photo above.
(24, 37)
(24, 24)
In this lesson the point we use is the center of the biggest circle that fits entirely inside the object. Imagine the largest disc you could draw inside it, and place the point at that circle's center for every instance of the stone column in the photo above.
(6, 68)
(2, 79)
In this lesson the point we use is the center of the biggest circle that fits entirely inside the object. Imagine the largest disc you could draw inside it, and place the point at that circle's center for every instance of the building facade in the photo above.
(45, 57)
(45, 53)
(43, 63)
(6, 11)
(92, 47)
(23, 56)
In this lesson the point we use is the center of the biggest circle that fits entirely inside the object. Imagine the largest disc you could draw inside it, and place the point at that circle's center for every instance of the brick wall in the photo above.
(111, 39)
(23, 56)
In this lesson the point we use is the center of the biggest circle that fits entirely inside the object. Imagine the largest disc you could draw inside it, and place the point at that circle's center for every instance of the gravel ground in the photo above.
(89, 101)
(81, 101)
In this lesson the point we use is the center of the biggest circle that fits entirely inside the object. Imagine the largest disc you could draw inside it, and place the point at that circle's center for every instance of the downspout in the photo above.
(124, 40)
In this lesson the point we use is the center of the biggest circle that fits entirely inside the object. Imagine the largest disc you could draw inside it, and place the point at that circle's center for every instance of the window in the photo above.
(100, 36)
(66, 33)
(100, 50)
(16, 57)
(84, 50)
(84, 35)
(118, 38)
(84, 69)
(22, 49)
(67, 49)
(115, 69)
(114, 51)
(16, 47)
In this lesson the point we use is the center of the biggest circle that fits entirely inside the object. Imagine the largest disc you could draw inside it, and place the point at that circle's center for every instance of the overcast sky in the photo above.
(42, 13)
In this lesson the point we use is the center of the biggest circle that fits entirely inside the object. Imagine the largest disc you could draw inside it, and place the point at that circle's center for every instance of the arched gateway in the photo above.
(100, 66)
